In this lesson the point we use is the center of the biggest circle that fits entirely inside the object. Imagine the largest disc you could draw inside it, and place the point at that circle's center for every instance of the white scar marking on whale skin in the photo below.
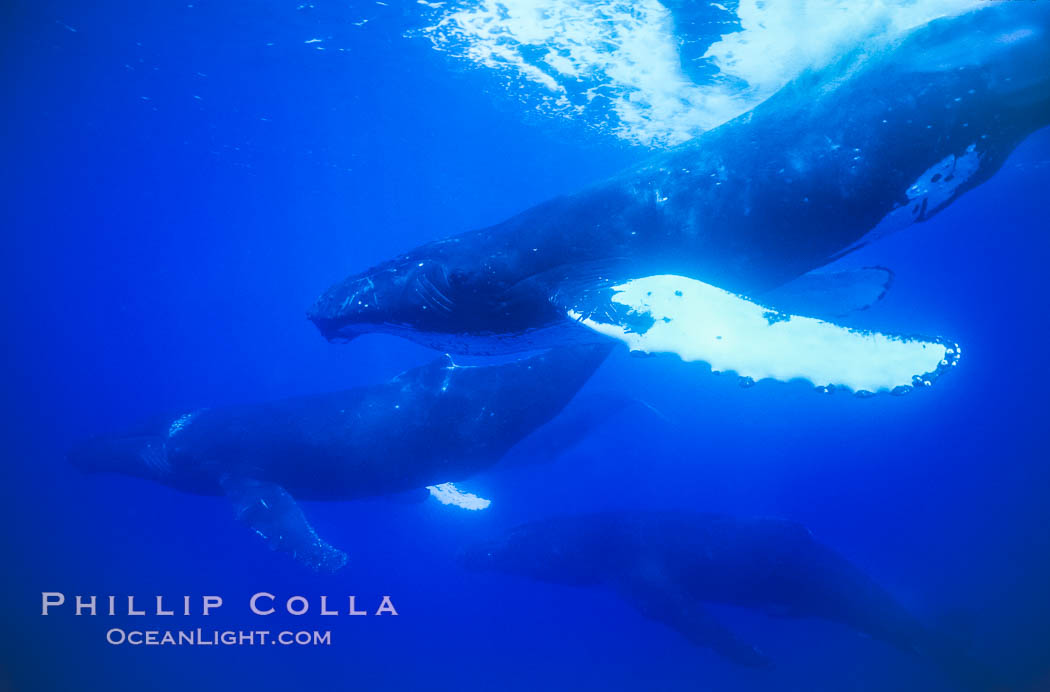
(700, 322)
(353, 300)
(181, 422)
(449, 494)
(450, 371)
(1015, 36)
(927, 195)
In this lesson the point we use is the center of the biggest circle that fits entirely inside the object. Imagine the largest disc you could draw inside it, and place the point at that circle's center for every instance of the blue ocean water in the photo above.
(184, 179)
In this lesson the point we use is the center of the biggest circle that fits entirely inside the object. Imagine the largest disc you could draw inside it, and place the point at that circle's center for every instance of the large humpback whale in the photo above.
(669, 564)
(707, 250)
(428, 427)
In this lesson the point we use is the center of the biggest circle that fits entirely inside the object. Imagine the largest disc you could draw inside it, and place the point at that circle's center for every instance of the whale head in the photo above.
(143, 456)
(438, 297)
(407, 292)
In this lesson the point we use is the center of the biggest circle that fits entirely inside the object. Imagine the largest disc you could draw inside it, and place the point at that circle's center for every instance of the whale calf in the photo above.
(669, 564)
(428, 427)
(713, 250)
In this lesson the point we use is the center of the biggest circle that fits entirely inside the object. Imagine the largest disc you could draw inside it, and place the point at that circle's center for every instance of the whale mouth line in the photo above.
(343, 336)
(351, 331)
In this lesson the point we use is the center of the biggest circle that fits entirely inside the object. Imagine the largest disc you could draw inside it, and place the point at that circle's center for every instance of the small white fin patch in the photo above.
(700, 322)
(449, 494)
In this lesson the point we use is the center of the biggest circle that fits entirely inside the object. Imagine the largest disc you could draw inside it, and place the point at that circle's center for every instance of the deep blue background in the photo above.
(176, 193)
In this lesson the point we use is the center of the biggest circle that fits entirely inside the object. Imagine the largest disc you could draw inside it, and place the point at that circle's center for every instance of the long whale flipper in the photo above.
(273, 514)
(662, 600)
(701, 322)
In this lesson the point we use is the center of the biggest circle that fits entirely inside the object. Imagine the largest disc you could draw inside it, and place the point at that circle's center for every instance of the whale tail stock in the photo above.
(956, 661)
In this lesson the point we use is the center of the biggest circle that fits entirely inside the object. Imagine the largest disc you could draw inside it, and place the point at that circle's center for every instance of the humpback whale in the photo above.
(669, 564)
(428, 427)
(714, 250)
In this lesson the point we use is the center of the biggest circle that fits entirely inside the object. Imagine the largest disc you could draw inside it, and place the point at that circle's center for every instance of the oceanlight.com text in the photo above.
(202, 637)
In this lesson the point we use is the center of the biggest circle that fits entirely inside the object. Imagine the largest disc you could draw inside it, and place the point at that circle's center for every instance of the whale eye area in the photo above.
(457, 278)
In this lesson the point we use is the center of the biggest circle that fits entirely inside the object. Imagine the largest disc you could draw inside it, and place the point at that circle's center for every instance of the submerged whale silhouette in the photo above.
(668, 564)
(666, 255)
(427, 427)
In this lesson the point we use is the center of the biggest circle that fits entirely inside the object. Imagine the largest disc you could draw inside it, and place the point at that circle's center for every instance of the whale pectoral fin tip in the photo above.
(273, 515)
(449, 494)
(660, 598)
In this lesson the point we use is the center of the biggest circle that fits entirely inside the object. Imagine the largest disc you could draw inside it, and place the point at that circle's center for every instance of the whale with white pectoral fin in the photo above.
(719, 250)
(430, 427)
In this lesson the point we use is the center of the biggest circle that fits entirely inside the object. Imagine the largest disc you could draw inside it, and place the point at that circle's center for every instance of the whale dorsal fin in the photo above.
(273, 514)
(659, 598)
(835, 293)
(700, 322)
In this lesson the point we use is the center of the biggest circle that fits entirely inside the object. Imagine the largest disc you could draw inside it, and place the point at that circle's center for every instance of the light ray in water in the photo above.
(620, 66)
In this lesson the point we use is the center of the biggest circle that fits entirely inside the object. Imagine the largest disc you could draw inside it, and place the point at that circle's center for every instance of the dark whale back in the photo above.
(433, 424)
(670, 563)
(807, 174)
(768, 564)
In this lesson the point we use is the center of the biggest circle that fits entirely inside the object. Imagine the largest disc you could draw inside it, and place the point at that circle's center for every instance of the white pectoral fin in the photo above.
(449, 494)
(700, 322)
